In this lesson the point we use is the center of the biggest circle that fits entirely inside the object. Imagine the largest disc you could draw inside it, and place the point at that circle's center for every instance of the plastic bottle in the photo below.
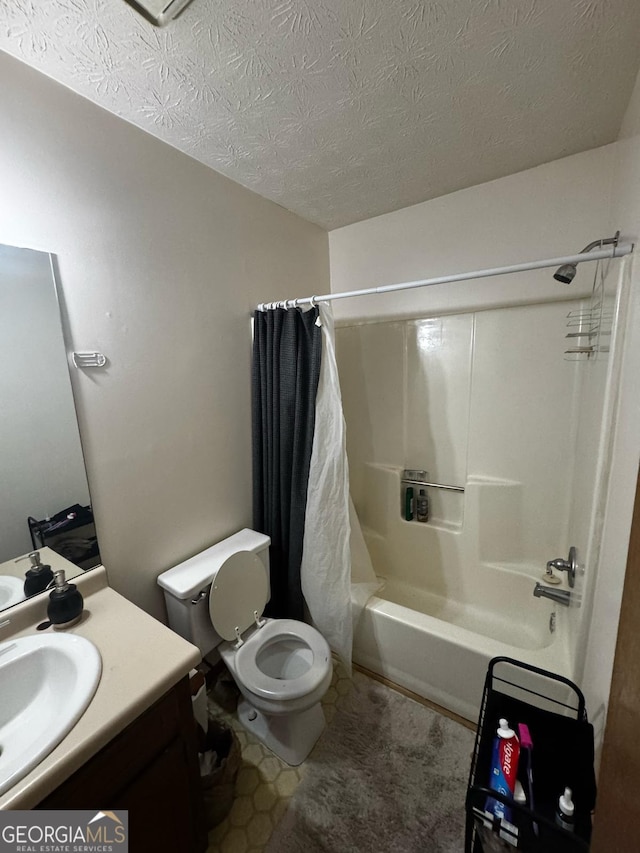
(564, 814)
(408, 504)
(422, 506)
(519, 795)
(504, 769)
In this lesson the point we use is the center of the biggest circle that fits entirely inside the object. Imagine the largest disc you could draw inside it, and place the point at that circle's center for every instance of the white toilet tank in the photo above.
(186, 586)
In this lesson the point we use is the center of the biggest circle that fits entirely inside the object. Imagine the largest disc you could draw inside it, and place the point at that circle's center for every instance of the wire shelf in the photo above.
(588, 325)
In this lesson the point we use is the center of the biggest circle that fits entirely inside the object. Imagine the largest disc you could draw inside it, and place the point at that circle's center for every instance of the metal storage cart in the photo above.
(70, 533)
(562, 756)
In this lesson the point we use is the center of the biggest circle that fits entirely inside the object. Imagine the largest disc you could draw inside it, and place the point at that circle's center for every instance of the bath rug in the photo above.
(388, 775)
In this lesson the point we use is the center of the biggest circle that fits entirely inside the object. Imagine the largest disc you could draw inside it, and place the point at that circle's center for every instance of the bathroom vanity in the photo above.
(151, 769)
(134, 746)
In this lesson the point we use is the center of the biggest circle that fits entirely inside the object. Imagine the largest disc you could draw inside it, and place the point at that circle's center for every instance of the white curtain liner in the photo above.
(332, 529)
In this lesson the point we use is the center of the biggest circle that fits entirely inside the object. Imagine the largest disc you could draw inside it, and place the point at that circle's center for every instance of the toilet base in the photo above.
(289, 736)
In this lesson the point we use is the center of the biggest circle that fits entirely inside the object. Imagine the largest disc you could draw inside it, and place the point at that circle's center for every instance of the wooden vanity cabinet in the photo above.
(151, 769)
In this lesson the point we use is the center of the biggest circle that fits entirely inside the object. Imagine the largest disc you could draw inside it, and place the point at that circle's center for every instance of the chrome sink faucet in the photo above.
(561, 596)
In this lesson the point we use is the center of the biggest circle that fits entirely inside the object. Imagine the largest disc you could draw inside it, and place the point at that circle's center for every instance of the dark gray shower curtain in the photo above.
(287, 346)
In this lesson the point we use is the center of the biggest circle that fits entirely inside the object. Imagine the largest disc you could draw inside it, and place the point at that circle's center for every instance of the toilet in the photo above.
(282, 667)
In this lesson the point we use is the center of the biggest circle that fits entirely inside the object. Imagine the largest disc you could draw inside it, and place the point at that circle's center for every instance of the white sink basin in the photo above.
(11, 591)
(46, 683)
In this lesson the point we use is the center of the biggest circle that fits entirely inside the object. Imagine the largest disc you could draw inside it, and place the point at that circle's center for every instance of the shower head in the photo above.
(567, 272)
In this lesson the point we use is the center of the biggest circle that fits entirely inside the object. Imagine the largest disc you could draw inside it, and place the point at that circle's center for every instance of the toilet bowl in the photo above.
(282, 670)
(282, 667)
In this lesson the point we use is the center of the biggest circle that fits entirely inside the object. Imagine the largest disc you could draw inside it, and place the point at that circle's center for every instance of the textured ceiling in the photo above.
(340, 110)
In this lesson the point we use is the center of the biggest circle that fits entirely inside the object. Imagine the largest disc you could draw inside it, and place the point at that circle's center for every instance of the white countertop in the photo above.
(141, 660)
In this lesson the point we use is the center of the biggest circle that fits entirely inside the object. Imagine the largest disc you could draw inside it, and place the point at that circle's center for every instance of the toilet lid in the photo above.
(238, 588)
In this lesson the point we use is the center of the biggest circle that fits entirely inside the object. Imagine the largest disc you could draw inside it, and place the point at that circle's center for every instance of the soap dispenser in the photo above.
(65, 603)
(38, 577)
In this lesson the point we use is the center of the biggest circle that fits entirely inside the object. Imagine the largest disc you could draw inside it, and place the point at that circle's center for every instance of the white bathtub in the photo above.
(439, 646)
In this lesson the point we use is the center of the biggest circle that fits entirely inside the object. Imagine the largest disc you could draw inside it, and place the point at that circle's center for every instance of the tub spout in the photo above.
(561, 596)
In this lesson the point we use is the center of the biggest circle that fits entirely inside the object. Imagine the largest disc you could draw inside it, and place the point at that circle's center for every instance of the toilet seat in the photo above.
(263, 685)
(239, 592)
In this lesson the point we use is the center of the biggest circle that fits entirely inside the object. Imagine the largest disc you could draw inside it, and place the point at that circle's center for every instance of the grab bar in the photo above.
(432, 485)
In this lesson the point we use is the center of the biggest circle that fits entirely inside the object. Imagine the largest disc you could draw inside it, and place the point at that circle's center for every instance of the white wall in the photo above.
(41, 466)
(551, 210)
(161, 262)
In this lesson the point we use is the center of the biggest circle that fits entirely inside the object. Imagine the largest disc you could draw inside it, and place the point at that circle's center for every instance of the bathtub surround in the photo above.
(364, 582)
(287, 349)
(388, 775)
(473, 398)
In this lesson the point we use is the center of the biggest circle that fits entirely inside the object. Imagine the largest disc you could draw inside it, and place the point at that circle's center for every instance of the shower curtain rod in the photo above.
(617, 251)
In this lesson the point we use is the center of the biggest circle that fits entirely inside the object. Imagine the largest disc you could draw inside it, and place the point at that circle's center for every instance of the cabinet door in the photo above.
(161, 813)
(150, 769)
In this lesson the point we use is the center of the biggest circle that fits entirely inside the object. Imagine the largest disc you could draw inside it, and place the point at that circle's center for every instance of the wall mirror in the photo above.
(44, 495)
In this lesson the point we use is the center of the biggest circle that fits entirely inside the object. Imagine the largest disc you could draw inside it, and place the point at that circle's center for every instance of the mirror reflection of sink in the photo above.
(11, 591)
(46, 683)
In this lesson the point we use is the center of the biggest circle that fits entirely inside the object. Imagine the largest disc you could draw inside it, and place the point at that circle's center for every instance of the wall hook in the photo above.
(83, 360)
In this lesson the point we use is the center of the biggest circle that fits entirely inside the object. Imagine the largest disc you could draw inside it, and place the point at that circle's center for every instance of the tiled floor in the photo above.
(265, 784)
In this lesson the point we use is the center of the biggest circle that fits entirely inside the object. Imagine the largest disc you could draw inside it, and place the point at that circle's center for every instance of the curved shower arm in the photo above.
(606, 241)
